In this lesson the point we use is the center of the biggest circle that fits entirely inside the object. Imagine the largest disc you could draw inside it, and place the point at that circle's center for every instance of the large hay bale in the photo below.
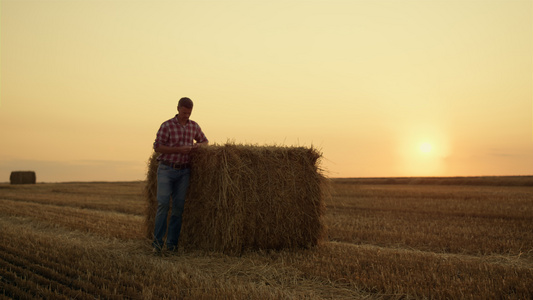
(22, 177)
(248, 197)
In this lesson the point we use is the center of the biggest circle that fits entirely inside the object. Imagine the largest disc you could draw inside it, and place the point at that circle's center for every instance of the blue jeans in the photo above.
(171, 184)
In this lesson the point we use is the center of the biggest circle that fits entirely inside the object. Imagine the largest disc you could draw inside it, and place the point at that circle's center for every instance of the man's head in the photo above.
(184, 109)
(185, 102)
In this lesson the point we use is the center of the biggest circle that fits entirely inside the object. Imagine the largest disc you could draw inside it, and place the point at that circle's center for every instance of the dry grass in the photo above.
(385, 242)
(469, 180)
(123, 197)
(457, 219)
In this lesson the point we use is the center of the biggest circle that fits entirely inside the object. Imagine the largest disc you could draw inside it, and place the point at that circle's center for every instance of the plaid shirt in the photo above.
(173, 134)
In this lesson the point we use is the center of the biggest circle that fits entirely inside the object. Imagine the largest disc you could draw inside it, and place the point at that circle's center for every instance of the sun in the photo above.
(425, 147)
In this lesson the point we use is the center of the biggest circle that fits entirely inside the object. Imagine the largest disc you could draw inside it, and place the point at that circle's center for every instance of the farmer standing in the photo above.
(174, 141)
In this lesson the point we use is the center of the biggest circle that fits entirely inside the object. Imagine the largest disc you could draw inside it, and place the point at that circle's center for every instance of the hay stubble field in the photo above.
(385, 240)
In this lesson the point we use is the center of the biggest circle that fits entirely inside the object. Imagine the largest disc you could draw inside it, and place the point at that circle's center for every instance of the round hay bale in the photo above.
(22, 177)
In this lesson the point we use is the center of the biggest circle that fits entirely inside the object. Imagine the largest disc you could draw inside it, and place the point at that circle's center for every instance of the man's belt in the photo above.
(176, 165)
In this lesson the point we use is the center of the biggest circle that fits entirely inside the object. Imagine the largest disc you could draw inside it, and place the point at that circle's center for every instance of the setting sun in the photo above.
(425, 147)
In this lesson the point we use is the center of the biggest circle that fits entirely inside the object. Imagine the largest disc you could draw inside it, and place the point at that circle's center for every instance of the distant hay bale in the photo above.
(248, 197)
(22, 177)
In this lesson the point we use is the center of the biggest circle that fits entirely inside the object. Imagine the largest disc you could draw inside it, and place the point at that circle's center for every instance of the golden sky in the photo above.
(382, 88)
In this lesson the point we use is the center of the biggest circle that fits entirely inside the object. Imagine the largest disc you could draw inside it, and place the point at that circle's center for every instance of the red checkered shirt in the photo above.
(173, 134)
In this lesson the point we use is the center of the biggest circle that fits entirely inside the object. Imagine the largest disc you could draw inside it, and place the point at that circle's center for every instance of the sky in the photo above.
(382, 88)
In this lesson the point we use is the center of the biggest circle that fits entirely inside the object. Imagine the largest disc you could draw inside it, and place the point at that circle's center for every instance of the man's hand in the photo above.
(198, 145)
(184, 149)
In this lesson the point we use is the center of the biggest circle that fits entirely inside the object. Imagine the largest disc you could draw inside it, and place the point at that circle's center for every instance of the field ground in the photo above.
(387, 239)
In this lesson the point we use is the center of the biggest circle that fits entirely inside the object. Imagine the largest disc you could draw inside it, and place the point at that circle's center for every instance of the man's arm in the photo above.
(200, 136)
(171, 150)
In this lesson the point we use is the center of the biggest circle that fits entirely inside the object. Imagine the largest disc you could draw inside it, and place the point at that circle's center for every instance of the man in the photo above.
(174, 141)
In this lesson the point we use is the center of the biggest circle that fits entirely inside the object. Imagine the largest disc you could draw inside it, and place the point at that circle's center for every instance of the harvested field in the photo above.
(385, 241)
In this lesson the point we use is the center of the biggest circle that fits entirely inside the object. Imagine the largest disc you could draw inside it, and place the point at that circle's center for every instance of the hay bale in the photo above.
(248, 197)
(22, 177)
(150, 195)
